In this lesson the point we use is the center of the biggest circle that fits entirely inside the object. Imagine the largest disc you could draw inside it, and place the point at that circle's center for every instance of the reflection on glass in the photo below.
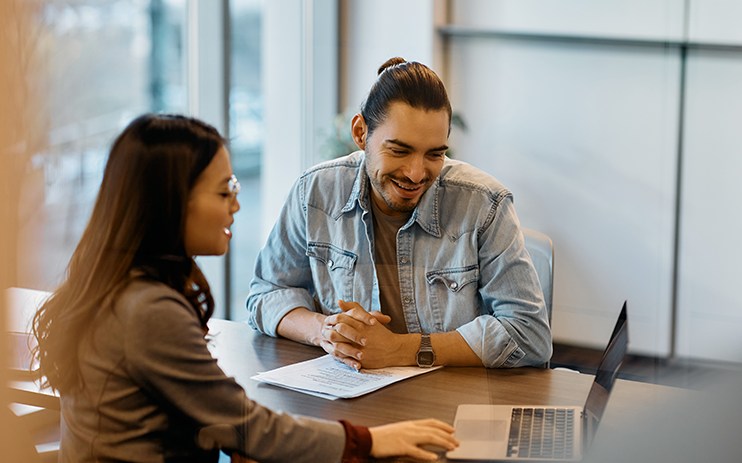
(105, 62)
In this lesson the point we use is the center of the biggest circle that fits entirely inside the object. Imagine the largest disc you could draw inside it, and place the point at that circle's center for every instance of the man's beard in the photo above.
(403, 206)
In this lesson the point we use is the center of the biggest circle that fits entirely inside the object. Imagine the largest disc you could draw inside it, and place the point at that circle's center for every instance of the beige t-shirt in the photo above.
(385, 256)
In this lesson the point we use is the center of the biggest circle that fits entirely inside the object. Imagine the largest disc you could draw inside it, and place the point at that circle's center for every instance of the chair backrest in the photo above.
(35, 412)
(36, 415)
(541, 249)
(15, 443)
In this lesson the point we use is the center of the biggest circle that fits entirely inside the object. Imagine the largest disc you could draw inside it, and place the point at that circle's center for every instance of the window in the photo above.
(105, 62)
(108, 61)
(246, 131)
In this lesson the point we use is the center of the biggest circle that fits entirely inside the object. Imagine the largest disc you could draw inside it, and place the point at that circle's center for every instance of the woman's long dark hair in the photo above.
(138, 222)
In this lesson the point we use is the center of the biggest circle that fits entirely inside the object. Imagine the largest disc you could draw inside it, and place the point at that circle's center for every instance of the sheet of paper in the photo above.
(328, 378)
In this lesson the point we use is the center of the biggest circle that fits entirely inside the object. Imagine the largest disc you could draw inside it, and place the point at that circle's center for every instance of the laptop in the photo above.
(539, 432)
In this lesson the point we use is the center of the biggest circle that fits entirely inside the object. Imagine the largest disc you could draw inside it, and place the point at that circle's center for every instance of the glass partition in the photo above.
(104, 62)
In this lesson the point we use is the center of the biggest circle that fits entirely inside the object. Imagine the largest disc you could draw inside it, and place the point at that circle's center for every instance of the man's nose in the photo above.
(415, 168)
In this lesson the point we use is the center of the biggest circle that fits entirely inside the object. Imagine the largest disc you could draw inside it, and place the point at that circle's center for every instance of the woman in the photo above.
(122, 339)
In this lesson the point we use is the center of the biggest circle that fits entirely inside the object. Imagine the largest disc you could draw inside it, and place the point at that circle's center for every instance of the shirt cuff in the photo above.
(357, 443)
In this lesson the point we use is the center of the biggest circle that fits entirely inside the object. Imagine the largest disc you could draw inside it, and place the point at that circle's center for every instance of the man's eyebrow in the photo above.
(410, 147)
(399, 143)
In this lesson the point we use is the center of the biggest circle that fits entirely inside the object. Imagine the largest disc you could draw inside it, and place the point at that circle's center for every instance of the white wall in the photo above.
(715, 21)
(586, 136)
(709, 303)
(378, 30)
(634, 19)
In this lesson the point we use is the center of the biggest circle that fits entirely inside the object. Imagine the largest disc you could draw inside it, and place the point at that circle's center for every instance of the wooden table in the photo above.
(242, 352)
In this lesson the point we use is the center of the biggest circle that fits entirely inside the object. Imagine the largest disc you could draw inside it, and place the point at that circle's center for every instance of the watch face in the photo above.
(425, 358)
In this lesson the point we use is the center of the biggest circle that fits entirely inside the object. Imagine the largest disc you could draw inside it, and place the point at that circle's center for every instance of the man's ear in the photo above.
(359, 130)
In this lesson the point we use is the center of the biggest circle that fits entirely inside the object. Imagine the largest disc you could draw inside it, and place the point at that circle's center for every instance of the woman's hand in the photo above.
(404, 438)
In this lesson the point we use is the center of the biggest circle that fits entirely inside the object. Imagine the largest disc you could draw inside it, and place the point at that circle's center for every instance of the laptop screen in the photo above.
(606, 376)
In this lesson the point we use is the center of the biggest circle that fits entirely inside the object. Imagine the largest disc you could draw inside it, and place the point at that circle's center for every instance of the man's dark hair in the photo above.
(402, 81)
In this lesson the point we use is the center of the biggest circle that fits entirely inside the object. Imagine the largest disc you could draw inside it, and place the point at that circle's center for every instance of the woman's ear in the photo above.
(359, 130)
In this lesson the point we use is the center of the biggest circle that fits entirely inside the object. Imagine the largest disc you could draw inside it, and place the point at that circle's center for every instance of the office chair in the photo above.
(541, 249)
(36, 415)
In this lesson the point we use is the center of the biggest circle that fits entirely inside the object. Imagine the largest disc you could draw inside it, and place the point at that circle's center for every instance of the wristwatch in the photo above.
(425, 356)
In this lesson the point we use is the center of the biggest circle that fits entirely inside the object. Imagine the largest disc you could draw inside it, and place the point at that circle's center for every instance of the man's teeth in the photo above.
(404, 187)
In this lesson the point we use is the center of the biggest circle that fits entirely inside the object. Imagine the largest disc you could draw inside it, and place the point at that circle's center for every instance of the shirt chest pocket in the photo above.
(451, 288)
(332, 271)
(453, 279)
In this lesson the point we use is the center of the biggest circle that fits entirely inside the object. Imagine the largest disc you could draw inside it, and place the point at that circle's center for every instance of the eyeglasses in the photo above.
(234, 186)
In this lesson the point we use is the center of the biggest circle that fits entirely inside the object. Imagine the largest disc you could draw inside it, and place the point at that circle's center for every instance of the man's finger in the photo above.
(342, 328)
(354, 364)
(337, 354)
(351, 318)
(383, 319)
(350, 334)
(355, 310)
(332, 334)
(345, 350)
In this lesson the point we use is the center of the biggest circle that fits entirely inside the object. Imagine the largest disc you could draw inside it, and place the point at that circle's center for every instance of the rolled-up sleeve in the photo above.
(283, 279)
(513, 329)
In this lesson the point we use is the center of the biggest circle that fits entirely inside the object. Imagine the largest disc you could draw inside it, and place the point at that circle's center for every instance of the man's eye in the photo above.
(225, 195)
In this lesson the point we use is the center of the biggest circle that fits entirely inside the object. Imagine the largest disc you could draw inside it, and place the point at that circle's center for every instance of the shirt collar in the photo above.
(426, 214)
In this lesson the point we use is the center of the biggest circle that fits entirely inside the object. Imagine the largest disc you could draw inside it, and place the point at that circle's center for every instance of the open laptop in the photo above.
(538, 432)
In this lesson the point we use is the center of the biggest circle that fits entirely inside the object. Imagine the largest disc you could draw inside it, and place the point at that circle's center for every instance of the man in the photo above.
(397, 255)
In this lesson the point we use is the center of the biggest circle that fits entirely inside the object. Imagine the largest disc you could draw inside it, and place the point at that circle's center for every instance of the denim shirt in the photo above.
(461, 260)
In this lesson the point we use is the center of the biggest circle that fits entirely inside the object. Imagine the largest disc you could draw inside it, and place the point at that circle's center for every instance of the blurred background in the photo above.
(616, 125)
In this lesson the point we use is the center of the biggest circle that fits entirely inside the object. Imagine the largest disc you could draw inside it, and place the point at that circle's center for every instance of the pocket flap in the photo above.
(331, 256)
(454, 278)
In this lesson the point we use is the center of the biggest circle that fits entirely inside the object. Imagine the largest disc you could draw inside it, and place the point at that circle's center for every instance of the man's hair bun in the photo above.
(389, 63)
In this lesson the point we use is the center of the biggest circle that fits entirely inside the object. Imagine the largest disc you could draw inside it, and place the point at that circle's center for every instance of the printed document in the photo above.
(327, 378)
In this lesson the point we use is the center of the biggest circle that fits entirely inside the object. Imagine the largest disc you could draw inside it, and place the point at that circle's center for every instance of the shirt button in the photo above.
(404, 260)
(330, 263)
(453, 285)
(407, 300)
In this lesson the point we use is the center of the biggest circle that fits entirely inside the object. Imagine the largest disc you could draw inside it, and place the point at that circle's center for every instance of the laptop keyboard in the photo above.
(541, 433)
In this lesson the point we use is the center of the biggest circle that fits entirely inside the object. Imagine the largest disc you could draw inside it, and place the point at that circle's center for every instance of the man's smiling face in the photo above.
(404, 155)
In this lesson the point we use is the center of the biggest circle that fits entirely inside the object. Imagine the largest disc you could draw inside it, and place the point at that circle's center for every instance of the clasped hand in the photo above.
(358, 338)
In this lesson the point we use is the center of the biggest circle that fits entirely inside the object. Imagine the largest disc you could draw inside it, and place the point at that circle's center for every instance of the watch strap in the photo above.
(425, 355)
(425, 344)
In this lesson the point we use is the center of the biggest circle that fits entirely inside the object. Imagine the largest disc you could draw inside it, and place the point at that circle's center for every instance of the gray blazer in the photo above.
(153, 393)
